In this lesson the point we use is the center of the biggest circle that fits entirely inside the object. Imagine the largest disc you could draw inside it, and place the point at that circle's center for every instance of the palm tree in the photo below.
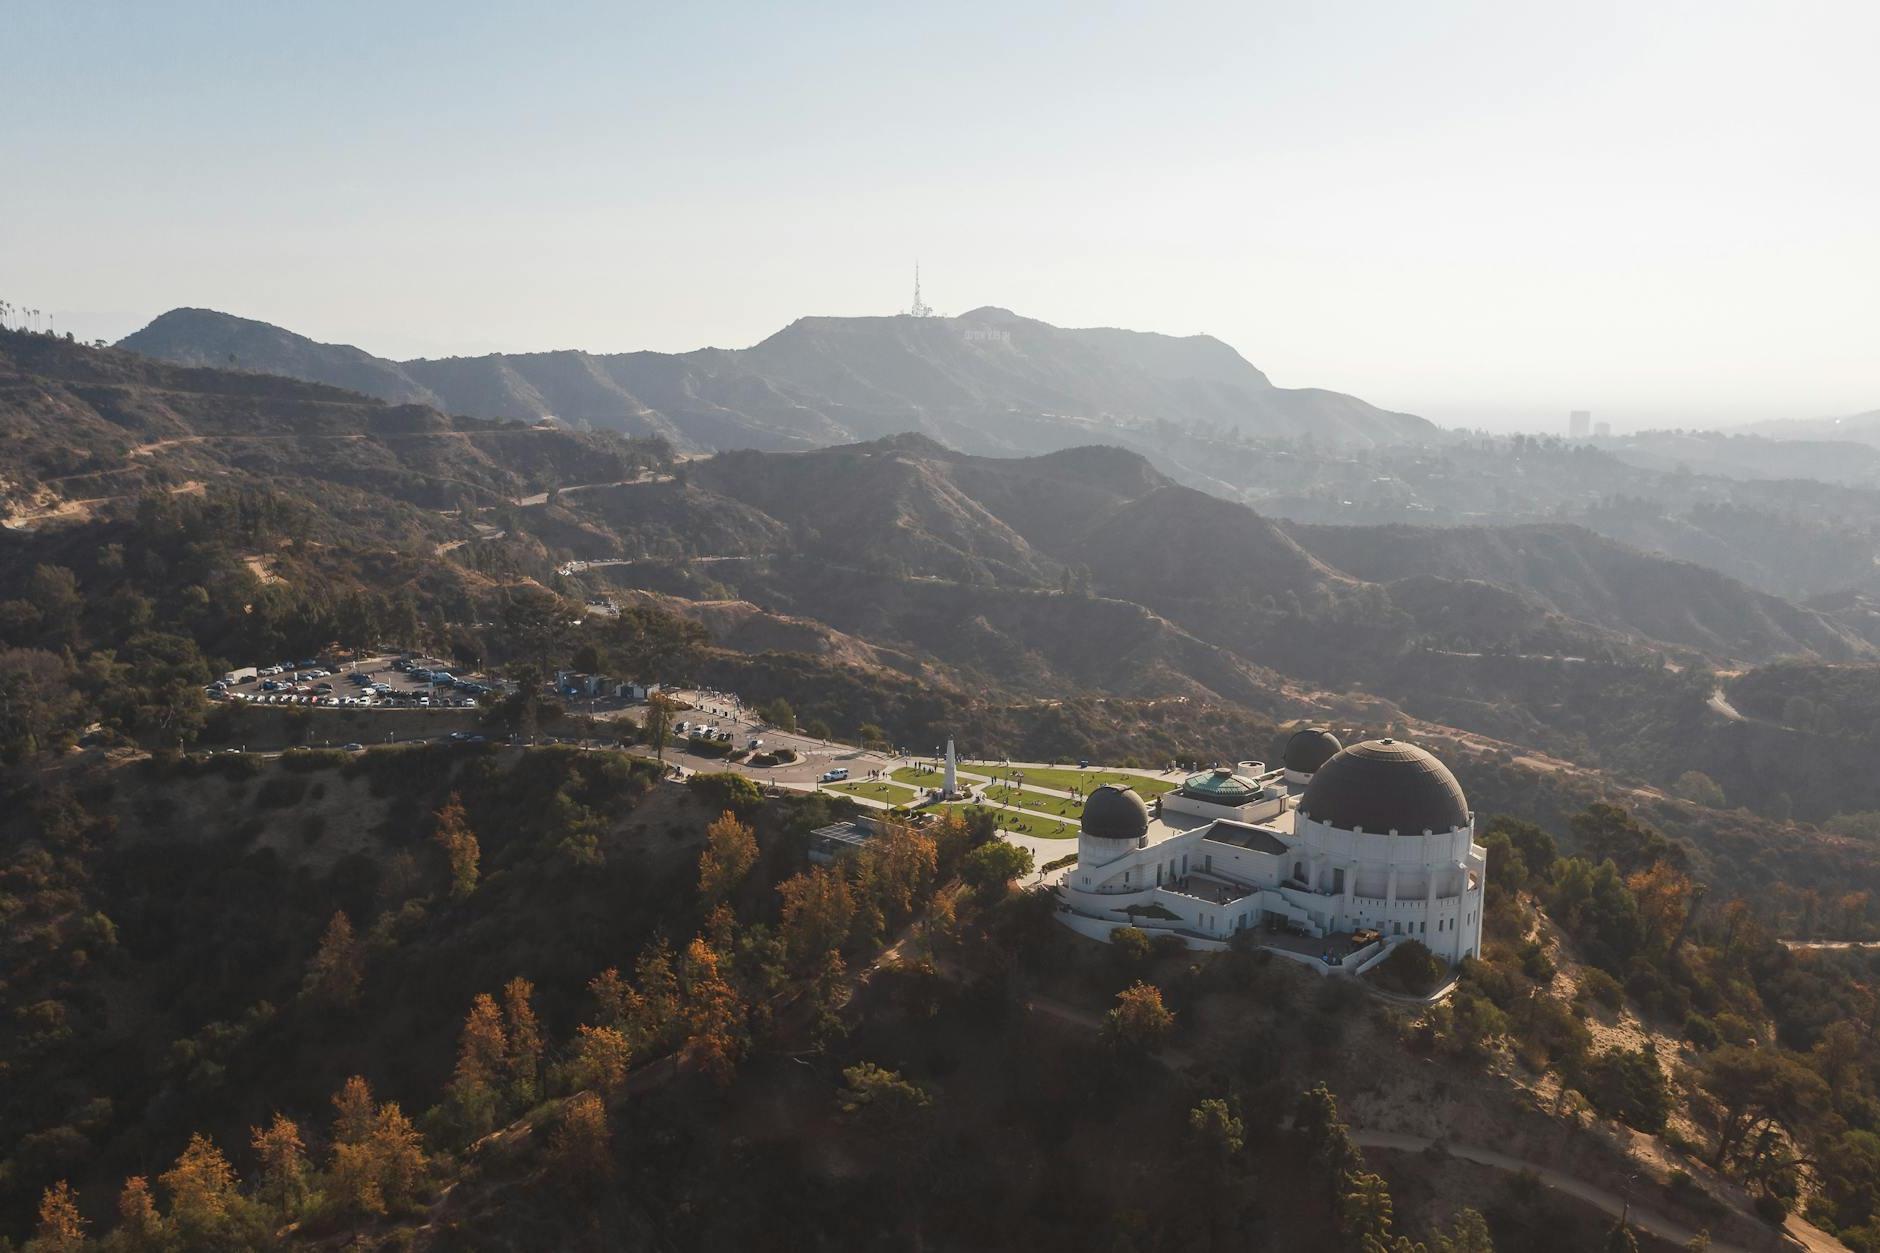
(658, 725)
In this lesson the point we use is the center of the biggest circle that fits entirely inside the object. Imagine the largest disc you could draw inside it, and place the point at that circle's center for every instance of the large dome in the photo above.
(1309, 749)
(1112, 812)
(1385, 785)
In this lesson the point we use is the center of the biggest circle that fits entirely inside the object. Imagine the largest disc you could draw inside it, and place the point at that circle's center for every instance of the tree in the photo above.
(459, 842)
(659, 724)
(353, 1111)
(601, 1060)
(1365, 1211)
(579, 1147)
(714, 1016)
(1215, 1130)
(1139, 1023)
(900, 864)
(1664, 898)
(778, 714)
(202, 1188)
(482, 1054)
(1754, 1088)
(381, 1170)
(1468, 1234)
(1699, 788)
(338, 966)
(61, 1229)
(656, 1022)
(139, 1228)
(730, 852)
(1326, 1138)
(882, 1104)
(522, 1060)
(991, 867)
(283, 1158)
(818, 911)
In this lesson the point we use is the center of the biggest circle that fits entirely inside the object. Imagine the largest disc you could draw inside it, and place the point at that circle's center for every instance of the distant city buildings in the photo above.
(1602, 430)
(1579, 424)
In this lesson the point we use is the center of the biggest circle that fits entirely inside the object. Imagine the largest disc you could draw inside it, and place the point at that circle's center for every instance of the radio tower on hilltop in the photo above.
(920, 308)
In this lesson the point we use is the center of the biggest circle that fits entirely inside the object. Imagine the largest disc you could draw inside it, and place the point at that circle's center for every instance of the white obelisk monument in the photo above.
(952, 786)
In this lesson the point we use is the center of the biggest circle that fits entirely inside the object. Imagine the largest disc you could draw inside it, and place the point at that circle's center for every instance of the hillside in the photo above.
(1584, 576)
(987, 381)
(84, 430)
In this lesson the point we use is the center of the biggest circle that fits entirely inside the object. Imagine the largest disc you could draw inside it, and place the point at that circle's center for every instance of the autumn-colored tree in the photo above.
(1664, 896)
(202, 1188)
(613, 999)
(482, 1057)
(904, 862)
(714, 1016)
(818, 911)
(579, 1146)
(61, 1228)
(283, 1158)
(398, 1155)
(1140, 1023)
(382, 1170)
(730, 852)
(602, 1058)
(459, 842)
(338, 967)
(352, 1111)
(139, 1228)
(523, 1061)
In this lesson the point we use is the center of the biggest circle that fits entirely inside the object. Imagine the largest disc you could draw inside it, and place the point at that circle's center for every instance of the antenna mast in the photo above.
(920, 309)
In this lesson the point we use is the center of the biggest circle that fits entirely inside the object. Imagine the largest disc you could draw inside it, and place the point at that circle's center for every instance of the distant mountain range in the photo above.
(988, 382)
(1863, 428)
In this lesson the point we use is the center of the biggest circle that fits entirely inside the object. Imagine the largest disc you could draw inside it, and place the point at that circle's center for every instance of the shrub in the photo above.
(1702, 1032)
(303, 760)
(279, 793)
(1602, 987)
(723, 790)
(1772, 1209)
(1630, 1086)
(1410, 969)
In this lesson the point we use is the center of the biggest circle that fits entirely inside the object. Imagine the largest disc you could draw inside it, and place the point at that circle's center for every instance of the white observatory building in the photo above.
(1313, 857)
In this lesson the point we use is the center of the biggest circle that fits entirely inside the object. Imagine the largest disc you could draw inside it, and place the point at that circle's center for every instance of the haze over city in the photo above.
(1487, 214)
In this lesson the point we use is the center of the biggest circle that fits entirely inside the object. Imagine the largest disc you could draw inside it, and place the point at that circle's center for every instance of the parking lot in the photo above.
(387, 681)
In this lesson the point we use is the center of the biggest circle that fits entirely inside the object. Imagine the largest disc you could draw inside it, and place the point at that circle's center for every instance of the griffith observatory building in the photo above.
(1312, 857)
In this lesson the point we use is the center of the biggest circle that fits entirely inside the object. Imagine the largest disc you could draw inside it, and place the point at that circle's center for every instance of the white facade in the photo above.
(1203, 871)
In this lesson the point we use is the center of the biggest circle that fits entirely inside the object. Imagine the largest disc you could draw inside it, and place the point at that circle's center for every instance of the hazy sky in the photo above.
(1487, 213)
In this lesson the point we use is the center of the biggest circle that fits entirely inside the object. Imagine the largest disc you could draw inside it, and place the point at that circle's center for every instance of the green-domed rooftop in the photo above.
(1220, 786)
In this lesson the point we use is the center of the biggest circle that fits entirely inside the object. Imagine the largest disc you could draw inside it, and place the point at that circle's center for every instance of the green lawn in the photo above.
(920, 777)
(1064, 778)
(1025, 824)
(890, 793)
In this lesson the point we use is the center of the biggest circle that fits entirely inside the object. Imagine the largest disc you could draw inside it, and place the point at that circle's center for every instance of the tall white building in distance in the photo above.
(1579, 424)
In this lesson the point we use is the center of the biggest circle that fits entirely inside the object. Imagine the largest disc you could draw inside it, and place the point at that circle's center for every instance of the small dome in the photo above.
(1385, 785)
(1220, 787)
(1112, 812)
(1309, 749)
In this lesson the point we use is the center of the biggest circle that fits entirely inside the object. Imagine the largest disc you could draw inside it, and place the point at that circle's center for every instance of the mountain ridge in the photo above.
(989, 380)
